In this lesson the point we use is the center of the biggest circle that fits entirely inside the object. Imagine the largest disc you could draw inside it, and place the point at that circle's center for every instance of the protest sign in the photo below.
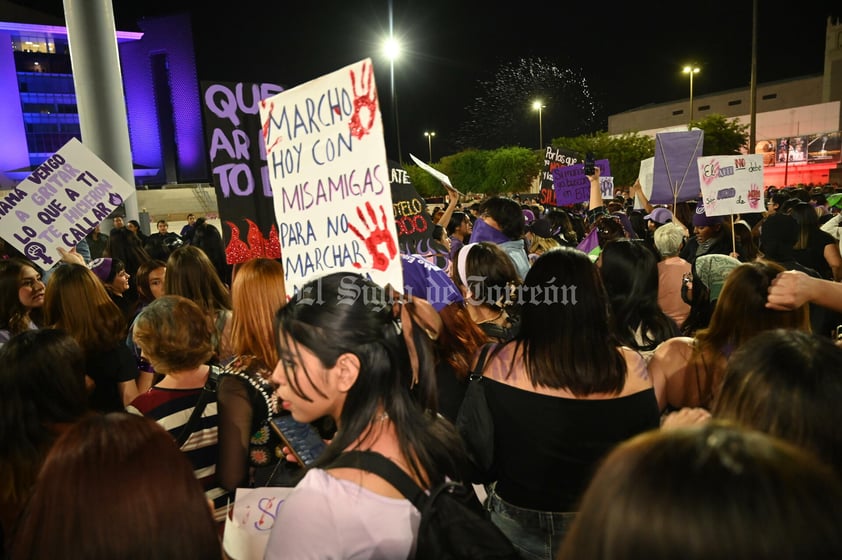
(238, 163)
(673, 173)
(414, 223)
(731, 184)
(553, 159)
(330, 178)
(443, 179)
(647, 168)
(572, 185)
(248, 526)
(60, 202)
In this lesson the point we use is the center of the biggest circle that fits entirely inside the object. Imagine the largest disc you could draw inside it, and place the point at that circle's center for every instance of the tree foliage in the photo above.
(722, 137)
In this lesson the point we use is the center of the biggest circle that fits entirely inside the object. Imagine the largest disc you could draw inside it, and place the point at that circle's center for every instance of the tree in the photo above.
(503, 114)
(722, 137)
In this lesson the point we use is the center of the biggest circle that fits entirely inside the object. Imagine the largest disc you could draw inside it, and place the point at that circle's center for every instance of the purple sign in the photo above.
(572, 185)
(675, 177)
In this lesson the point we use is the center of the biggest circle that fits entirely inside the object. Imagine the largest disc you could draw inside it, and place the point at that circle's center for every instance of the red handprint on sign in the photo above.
(377, 235)
(754, 196)
(366, 98)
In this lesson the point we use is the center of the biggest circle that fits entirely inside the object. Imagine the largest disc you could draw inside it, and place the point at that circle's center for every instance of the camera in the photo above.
(589, 163)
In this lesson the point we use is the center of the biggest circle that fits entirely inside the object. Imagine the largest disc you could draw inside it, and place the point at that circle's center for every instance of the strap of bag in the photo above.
(207, 391)
(376, 463)
(476, 373)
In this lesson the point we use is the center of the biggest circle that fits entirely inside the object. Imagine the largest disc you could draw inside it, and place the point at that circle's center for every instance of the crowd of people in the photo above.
(638, 365)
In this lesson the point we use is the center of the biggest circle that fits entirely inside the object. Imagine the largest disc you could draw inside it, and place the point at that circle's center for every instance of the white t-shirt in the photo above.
(329, 518)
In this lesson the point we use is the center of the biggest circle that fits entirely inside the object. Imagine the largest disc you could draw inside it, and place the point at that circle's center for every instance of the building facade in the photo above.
(798, 116)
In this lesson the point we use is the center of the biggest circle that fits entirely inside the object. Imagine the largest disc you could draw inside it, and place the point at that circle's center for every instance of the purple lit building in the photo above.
(38, 113)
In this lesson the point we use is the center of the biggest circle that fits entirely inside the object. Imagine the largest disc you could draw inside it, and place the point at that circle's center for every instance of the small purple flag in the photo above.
(590, 244)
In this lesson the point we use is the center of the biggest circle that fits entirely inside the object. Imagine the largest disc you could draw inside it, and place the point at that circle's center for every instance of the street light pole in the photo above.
(691, 69)
(392, 50)
(539, 106)
(429, 136)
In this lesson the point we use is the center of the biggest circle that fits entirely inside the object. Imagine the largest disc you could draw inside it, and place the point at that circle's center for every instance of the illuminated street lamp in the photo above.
(392, 49)
(429, 136)
(691, 69)
(538, 105)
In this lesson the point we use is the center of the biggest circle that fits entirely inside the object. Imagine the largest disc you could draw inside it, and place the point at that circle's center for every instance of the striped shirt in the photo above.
(171, 408)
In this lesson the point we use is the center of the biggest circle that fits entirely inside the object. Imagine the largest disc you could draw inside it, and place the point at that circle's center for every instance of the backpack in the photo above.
(454, 524)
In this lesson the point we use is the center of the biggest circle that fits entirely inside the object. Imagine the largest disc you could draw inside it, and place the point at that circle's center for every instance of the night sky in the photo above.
(631, 55)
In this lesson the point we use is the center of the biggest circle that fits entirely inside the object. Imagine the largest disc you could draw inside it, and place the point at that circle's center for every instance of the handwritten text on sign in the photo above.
(60, 203)
(330, 178)
(731, 184)
(572, 185)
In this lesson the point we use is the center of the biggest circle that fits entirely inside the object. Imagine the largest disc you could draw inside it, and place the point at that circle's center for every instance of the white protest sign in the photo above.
(647, 171)
(248, 527)
(731, 184)
(444, 179)
(330, 178)
(606, 187)
(60, 202)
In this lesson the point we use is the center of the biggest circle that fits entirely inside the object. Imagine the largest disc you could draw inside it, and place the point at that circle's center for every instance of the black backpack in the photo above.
(454, 524)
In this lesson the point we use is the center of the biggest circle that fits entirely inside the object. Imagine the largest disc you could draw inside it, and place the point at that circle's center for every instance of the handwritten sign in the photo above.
(572, 185)
(330, 178)
(553, 158)
(647, 171)
(414, 223)
(732, 184)
(238, 163)
(248, 527)
(60, 202)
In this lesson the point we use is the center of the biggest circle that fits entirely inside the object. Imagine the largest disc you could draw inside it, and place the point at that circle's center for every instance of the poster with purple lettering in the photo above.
(60, 202)
(238, 164)
(572, 185)
(732, 184)
(330, 178)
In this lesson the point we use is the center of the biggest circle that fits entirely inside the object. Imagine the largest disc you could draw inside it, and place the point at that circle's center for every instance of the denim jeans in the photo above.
(537, 535)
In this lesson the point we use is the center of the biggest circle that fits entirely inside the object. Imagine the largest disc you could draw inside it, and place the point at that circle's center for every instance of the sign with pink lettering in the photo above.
(60, 203)
(732, 184)
(329, 174)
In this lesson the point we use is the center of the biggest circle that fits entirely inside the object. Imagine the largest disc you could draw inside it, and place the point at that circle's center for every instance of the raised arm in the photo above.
(792, 289)
(451, 206)
(637, 191)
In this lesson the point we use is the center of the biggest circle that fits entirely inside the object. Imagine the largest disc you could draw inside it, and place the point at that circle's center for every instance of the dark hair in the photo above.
(14, 316)
(206, 237)
(629, 272)
(786, 382)
(143, 291)
(564, 312)
(659, 496)
(508, 215)
(608, 228)
(491, 277)
(456, 220)
(345, 313)
(42, 385)
(191, 274)
(107, 458)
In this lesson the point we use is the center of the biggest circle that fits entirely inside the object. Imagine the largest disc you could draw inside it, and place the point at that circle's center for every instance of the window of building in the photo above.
(735, 102)
(704, 108)
(679, 112)
(770, 96)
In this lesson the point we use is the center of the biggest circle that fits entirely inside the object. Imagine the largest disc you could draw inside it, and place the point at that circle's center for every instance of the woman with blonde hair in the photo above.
(76, 302)
(249, 448)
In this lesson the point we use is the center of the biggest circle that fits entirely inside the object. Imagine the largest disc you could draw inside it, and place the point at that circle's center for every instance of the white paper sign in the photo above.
(434, 172)
(330, 178)
(606, 187)
(732, 184)
(60, 202)
(647, 171)
(247, 529)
